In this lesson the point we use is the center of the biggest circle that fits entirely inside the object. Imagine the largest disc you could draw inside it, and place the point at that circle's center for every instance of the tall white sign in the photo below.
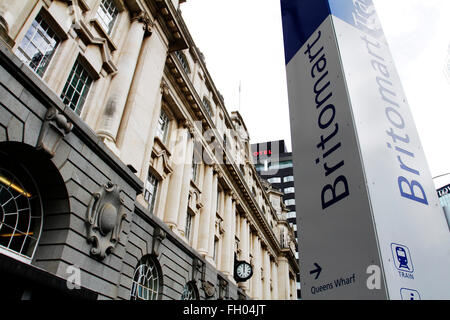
(370, 224)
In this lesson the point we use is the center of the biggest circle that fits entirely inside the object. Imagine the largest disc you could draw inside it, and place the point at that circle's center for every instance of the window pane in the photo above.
(289, 190)
(38, 46)
(106, 14)
(163, 126)
(187, 231)
(76, 88)
(151, 187)
(145, 281)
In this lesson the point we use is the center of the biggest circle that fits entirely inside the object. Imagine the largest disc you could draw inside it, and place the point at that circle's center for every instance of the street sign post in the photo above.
(370, 224)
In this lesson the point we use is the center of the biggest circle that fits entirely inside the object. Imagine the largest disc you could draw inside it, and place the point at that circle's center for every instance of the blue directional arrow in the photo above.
(317, 270)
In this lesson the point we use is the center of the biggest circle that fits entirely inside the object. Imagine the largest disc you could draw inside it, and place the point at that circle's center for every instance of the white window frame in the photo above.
(106, 15)
(43, 38)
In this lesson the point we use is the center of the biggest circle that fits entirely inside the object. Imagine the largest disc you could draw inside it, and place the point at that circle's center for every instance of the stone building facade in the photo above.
(122, 174)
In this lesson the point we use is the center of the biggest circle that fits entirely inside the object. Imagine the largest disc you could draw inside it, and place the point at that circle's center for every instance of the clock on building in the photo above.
(242, 271)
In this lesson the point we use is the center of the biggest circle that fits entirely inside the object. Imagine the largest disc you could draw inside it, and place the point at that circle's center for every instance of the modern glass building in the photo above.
(274, 164)
(442, 184)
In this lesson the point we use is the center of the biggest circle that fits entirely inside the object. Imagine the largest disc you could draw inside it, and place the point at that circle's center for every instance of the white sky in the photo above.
(243, 43)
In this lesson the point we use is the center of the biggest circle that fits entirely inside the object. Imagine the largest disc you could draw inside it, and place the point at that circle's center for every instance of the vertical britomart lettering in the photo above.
(329, 142)
(399, 141)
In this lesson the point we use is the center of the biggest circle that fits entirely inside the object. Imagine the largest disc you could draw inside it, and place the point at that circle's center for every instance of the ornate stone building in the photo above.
(122, 174)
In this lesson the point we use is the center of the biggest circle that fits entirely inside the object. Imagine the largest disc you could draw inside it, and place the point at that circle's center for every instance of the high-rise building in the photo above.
(122, 173)
(274, 164)
(442, 184)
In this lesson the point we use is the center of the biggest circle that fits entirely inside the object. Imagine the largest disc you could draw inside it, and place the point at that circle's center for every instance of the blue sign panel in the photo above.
(302, 17)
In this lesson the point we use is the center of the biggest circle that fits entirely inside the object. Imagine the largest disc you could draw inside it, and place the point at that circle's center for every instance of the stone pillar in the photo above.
(266, 275)
(196, 222)
(12, 15)
(233, 234)
(176, 180)
(274, 271)
(185, 184)
(152, 130)
(245, 252)
(212, 220)
(160, 209)
(144, 96)
(293, 289)
(121, 83)
(257, 289)
(227, 247)
(283, 279)
(205, 212)
(253, 279)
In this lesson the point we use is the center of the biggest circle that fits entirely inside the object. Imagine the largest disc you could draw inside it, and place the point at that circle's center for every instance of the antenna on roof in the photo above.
(239, 106)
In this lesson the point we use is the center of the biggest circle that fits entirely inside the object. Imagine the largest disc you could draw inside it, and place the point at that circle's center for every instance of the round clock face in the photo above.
(243, 270)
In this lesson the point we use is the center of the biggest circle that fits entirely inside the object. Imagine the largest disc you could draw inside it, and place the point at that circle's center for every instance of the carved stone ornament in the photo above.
(209, 289)
(105, 215)
(143, 18)
(54, 128)
(158, 236)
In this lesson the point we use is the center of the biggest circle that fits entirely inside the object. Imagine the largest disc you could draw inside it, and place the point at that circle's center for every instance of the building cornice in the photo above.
(169, 19)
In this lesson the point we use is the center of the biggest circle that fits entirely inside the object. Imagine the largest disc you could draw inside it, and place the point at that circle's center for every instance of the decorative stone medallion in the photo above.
(105, 215)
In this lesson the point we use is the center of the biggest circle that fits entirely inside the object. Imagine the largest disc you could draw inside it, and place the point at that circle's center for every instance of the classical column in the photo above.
(176, 179)
(253, 279)
(196, 222)
(245, 241)
(152, 130)
(186, 183)
(144, 98)
(227, 247)
(283, 279)
(293, 289)
(257, 289)
(274, 271)
(205, 212)
(266, 275)
(121, 83)
(160, 209)
(10, 12)
(212, 221)
(233, 230)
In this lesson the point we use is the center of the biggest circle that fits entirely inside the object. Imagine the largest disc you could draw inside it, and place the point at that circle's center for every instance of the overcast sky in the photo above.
(243, 44)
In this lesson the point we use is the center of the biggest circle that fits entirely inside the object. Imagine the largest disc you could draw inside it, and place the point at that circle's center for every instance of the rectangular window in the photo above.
(194, 169)
(38, 46)
(274, 180)
(163, 126)
(187, 230)
(107, 14)
(291, 215)
(77, 88)
(151, 186)
(289, 190)
(216, 247)
(289, 202)
(288, 179)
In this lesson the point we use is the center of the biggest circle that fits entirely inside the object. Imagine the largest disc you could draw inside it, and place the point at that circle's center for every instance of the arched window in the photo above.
(146, 280)
(20, 210)
(189, 292)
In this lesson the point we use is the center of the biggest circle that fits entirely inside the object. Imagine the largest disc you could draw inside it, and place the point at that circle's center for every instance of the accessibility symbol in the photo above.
(402, 257)
(409, 294)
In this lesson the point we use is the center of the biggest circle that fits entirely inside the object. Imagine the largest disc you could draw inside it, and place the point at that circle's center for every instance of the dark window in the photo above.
(77, 88)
